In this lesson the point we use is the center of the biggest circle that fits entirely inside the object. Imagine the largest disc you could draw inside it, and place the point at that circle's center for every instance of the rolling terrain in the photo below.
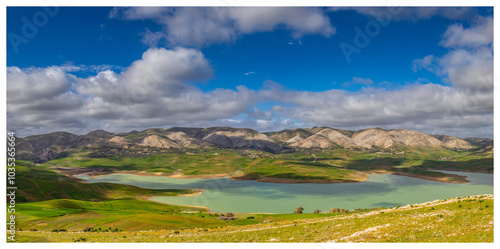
(462, 219)
(39, 183)
(54, 206)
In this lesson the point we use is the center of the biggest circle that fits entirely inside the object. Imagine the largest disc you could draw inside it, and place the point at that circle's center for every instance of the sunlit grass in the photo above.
(467, 219)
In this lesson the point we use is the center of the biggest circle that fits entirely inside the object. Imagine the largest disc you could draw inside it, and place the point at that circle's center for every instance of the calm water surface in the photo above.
(225, 195)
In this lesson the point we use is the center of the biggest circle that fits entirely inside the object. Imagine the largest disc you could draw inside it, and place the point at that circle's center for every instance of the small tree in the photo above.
(229, 214)
(298, 210)
(316, 211)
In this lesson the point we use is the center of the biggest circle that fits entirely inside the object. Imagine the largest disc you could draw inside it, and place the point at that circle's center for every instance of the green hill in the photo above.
(466, 219)
(38, 183)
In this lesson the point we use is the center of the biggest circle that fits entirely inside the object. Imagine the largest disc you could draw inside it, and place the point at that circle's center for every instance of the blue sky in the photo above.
(118, 69)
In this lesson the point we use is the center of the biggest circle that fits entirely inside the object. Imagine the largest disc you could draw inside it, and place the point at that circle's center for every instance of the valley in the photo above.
(147, 186)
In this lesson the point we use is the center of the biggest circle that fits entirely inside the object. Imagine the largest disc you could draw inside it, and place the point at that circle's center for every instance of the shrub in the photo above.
(176, 232)
(316, 211)
(229, 215)
(226, 218)
(298, 210)
(81, 239)
(250, 217)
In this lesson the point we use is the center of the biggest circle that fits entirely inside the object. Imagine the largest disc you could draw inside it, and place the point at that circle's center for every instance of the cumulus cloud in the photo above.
(421, 107)
(200, 27)
(257, 124)
(258, 114)
(159, 89)
(156, 91)
(469, 63)
(480, 34)
(462, 108)
(40, 97)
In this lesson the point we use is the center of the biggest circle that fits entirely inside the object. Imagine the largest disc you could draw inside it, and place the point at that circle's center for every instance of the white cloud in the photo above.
(155, 91)
(246, 74)
(137, 13)
(159, 89)
(479, 34)
(425, 63)
(41, 97)
(413, 13)
(464, 108)
(421, 107)
(200, 27)
(300, 21)
(359, 81)
(38, 84)
(469, 64)
(258, 114)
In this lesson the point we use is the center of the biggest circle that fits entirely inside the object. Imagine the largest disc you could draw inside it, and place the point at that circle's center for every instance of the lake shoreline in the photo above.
(291, 181)
(163, 203)
(96, 172)
(445, 179)
(380, 190)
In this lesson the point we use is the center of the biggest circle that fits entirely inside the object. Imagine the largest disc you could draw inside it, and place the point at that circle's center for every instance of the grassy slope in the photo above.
(467, 219)
(129, 215)
(126, 214)
(38, 183)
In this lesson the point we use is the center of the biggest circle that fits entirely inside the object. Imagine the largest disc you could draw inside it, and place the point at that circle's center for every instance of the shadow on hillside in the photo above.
(323, 165)
(312, 159)
(483, 165)
(37, 183)
(116, 167)
(374, 164)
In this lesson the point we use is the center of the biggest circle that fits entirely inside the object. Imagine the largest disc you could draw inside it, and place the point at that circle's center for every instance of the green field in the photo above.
(467, 219)
(57, 208)
(339, 164)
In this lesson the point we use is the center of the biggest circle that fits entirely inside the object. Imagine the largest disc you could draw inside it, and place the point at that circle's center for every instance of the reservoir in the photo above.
(225, 195)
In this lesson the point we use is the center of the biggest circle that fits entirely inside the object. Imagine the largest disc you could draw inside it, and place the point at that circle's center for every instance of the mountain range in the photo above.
(44, 147)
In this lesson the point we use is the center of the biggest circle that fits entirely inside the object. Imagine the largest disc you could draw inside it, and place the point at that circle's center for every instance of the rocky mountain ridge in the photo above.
(41, 148)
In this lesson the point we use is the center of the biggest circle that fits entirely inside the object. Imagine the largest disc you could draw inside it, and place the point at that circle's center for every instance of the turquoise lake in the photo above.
(225, 195)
